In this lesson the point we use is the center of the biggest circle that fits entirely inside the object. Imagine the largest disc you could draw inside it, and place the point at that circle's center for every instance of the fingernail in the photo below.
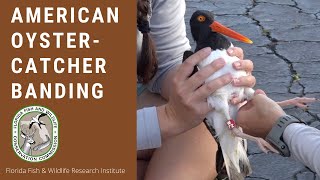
(237, 65)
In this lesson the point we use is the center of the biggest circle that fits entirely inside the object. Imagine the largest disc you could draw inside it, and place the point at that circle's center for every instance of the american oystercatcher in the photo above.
(209, 33)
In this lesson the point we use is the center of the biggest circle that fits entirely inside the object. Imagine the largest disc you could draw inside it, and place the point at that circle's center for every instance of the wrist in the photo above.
(272, 117)
(275, 136)
(167, 122)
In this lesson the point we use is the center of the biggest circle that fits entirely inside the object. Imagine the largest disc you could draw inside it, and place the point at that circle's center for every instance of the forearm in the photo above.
(304, 144)
(154, 125)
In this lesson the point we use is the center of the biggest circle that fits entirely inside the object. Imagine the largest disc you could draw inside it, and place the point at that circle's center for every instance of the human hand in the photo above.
(259, 115)
(300, 102)
(244, 65)
(187, 105)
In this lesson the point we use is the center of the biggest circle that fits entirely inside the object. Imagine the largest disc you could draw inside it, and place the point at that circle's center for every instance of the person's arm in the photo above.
(304, 144)
(260, 115)
(187, 106)
(168, 32)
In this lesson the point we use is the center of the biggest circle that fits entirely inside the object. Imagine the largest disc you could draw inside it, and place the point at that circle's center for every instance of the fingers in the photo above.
(186, 67)
(205, 90)
(245, 81)
(205, 107)
(199, 78)
(298, 101)
(306, 100)
(235, 51)
(245, 65)
(302, 106)
(259, 91)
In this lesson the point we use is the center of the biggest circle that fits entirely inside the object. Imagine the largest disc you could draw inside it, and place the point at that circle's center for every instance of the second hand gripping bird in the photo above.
(209, 33)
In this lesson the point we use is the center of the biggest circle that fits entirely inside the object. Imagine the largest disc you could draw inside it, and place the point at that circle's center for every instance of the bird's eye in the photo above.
(201, 18)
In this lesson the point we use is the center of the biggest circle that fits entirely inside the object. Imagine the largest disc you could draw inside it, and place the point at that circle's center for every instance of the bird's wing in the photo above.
(186, 55)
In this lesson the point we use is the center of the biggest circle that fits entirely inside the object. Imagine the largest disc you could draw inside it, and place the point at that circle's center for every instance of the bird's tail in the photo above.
(235, 156)
(233, 151)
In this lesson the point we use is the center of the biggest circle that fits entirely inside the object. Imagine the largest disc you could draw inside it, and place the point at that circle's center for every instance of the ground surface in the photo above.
(286, 55)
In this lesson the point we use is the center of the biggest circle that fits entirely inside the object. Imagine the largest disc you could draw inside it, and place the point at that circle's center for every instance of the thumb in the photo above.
(259, 91)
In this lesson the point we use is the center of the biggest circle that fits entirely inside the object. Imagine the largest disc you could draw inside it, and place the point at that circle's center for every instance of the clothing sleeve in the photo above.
(148, 130)
(168, 32)
(304, 144)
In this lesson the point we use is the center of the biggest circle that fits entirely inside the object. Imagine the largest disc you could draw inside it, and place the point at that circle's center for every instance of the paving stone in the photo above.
(231, 7)
(300, 33)
(305, 176)
(221, 7)
(255, 178)
(272, 74)
(298, 112)
(253, 148)
(272, 166)
(314, 108)
(296, 88)
(309, 6)
(311, 84)
(271, 88)
(269, 68)
(281, 17)
(308, 70)
(253, 32)
(282, 2)
(315, 124)
(233, 20)
(203, 5)
(301, 52)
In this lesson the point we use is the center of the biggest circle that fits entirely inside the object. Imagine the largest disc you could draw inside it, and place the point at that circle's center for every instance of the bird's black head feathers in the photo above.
(200, 24)
(202, 32)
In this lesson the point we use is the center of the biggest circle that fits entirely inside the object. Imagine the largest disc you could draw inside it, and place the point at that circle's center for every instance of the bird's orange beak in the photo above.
(219, 28)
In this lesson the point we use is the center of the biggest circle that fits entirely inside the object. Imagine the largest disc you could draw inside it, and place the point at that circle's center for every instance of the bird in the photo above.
(207, 32)
(36, 119)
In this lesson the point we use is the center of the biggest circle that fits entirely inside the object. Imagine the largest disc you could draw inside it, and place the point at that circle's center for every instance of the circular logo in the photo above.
(35, 133)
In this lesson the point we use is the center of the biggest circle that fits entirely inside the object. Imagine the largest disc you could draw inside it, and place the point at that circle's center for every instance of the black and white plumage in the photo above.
(36, 120)
(208, 33)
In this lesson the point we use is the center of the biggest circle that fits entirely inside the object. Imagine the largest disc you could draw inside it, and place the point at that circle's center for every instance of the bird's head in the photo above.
(202, 24)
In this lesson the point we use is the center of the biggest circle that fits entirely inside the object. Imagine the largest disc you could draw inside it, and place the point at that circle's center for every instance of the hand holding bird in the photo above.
(209, 33)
